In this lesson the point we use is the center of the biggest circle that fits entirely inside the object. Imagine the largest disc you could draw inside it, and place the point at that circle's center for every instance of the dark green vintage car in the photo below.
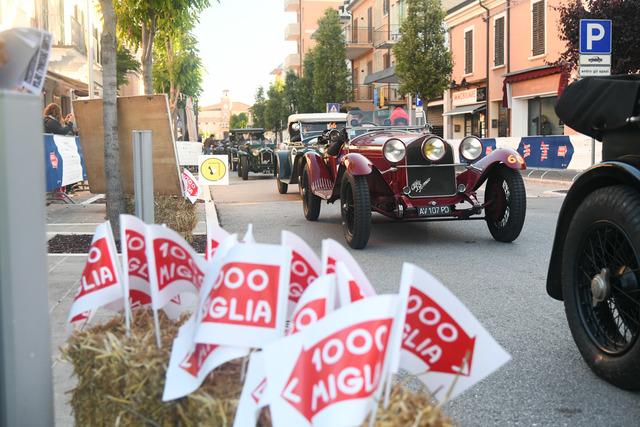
(255, 153)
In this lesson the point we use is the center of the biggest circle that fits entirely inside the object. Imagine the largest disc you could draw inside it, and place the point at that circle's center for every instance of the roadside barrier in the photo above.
(64, 161)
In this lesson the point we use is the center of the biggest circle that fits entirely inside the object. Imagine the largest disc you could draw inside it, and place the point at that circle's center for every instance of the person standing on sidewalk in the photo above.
(53, 122)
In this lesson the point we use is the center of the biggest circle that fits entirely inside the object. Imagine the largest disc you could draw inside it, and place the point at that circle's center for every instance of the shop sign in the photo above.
(464, 97)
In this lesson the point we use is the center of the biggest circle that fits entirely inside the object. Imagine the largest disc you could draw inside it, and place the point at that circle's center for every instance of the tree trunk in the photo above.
(148, 34)
(115, 201)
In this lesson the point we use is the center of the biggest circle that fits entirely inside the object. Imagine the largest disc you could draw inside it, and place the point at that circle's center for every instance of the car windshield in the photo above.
(240, 137)
(360, 122)
(309, 130)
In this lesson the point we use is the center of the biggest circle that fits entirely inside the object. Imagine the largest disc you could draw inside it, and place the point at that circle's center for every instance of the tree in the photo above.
(238, 121)
(139, 22)
(258, 109)
(305, 84)
(423, 63)
(108, 46)
(275, 114)
(125, 63)
(625, 44)
(330, 71)
(291, 89)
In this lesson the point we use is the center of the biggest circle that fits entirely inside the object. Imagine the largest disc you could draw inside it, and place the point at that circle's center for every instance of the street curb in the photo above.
(211, 214)
(565, 176)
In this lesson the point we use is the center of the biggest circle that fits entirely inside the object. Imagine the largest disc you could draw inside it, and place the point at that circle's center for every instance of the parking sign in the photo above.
(595, 36)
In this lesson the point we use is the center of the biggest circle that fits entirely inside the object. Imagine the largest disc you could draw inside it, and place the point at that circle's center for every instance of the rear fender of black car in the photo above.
(625, 171)
(284, 164)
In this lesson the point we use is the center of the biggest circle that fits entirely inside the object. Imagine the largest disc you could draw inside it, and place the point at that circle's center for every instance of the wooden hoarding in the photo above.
(134, 113)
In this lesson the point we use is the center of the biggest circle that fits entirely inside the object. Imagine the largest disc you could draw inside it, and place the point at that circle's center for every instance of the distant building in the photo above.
(308, 12)
(214, 119)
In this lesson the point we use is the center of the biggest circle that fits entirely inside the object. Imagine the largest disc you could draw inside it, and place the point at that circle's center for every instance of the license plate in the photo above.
(434, 210)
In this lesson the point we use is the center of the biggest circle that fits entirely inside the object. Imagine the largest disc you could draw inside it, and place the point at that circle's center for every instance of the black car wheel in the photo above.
(355, 207)
(505, 203)
(310, 202)
(244, 168)
(239, 168)
(600, 284)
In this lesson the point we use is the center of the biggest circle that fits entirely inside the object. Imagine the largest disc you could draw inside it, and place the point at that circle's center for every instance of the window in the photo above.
(537, 28)
(498, 29)
(385, 7)
(386, 60)
(468, 52)
(543, 119)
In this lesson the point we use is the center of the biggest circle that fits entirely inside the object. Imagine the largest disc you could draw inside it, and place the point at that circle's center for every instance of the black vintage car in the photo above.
(254, 152)
(596, 252)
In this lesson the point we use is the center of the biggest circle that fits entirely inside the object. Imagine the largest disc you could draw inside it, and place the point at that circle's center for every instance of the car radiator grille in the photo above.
(266, 157)
(429, 180)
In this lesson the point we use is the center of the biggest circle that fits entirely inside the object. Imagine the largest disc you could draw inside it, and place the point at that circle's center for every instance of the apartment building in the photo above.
(76, 26)
(307, 12)
(214, 119)
(502, 81)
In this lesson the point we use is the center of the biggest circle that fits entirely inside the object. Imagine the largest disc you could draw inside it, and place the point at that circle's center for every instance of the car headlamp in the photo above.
(255, 152)
(394, 150)
(470, 148)
(433, 149)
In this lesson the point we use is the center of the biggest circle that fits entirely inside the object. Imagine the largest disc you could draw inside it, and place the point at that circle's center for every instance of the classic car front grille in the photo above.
(266, 157)
(429, 180)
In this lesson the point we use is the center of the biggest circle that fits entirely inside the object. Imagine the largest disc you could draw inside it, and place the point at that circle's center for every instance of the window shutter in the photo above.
(468, 52)
(499, 42)
(537, 28)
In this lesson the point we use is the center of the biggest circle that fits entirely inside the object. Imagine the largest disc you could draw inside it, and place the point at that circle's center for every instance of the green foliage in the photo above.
(305, 84)
(276, 114)
(178, 67)
(125, 63)
(238, 121)
(291, 91)
(423, 63)
(330, 71)
(258, 109)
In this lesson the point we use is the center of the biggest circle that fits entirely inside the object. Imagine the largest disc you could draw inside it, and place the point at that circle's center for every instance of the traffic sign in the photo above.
(597, 71)
(418, 101)
(213, 170)
(333, 107)
(595, 36)
(595, 60)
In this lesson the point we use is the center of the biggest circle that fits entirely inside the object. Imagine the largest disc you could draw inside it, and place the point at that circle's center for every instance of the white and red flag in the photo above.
(318, 300)
(442, 340)
(174, 267)
(190, 362)
(305, 266)
(246, 303)
(101, 280)
(215, 236)
(190, 185)
(252, 398)
(356, 284)
(331, 373)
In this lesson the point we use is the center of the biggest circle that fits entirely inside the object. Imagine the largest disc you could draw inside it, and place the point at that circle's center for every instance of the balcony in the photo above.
(362, 93)
(386, 36)
(292, 61)
(359, 41)
(291, 5)
(391, 93)
(292, 31)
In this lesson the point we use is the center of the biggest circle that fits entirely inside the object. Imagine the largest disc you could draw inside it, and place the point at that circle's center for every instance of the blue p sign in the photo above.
(595, 36)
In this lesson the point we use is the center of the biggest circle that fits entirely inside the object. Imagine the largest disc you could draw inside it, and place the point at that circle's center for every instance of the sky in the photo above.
(241, 42)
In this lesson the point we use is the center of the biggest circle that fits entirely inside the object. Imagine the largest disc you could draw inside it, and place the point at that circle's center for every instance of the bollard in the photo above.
(143, 175)
(26, 388)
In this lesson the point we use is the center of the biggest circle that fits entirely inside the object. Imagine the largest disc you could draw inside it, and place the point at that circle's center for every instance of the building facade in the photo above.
(502, 82)
(76, 26)
(307, 12)
(214, 119)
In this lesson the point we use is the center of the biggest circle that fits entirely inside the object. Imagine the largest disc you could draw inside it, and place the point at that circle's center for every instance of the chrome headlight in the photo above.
(255, 152)
(470, 148)
(433, 149)
(394, 150)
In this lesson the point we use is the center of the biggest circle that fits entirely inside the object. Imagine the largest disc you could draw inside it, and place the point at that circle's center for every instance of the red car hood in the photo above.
(378, 138)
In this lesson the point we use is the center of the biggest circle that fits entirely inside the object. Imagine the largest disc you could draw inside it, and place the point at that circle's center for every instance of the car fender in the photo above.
(284, 164)
(477, 173)
(620, 172)
(356, 164)
(317, 167)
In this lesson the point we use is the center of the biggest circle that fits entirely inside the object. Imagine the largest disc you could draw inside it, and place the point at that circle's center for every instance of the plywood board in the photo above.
(134, 113)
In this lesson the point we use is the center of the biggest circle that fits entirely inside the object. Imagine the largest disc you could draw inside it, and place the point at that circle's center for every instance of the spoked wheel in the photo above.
(355, 207)
(600, 284)
(244, 168)
(505, 204)
(310, 202)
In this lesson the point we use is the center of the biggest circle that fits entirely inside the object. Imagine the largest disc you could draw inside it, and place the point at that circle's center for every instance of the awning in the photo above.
(466, 109)
(531, 74)
(388, 75)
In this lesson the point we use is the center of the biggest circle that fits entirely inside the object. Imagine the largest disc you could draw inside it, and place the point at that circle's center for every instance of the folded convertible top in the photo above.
(595, 105)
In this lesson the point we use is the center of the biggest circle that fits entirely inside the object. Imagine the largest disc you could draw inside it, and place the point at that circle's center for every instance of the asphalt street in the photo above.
(546, 383)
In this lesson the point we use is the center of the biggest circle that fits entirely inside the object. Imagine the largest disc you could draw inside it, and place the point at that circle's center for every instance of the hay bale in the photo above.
(121, 380)
(175, 212)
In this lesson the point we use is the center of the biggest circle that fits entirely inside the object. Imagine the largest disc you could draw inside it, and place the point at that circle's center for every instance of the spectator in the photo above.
(399, 117)
(53, 122)
(208, 144)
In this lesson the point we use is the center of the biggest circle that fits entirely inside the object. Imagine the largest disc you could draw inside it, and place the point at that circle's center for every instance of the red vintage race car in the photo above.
(410, 174)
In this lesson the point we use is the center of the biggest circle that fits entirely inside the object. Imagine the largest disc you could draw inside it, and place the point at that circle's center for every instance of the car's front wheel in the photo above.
(505, 203)
(244, 168)
(600, 283)
(355, 207)
(310, 202)
(239, 168)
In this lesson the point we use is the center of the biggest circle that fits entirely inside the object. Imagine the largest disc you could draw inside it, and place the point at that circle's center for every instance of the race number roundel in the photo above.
(213, 169)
